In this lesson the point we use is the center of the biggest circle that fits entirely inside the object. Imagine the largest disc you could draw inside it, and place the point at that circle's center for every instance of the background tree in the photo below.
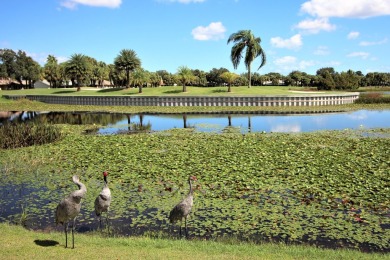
(229, 77)
(326, 78)
(168, 78)
(155, 80)
(76, 69)
(139, 78)
(7, 63)
(244, 40)
(213, 77)
(52, 71)
(185, 76)
(275, 78)
(201, 79)
(102, 72)
(127, 61)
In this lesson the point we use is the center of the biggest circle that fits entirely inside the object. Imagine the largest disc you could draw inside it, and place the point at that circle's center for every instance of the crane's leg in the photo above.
(180, 229)
(107, 223)
(100, 222)
(73, 226)
(66, 233)
(185, 225)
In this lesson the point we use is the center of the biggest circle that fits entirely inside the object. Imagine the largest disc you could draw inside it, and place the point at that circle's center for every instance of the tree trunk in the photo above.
(140, 88)
(249, 76)
(127, 78)
(230, 88)
(184, 88)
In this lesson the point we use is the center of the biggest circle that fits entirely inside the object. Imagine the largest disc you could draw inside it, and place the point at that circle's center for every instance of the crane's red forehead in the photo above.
(105, 173)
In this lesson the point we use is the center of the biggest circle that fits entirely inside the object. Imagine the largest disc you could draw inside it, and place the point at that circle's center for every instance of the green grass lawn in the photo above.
(167, 90)
(19, 243)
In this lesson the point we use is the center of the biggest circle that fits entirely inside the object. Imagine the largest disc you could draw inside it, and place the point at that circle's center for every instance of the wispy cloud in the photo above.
(315, 25)
(285, 128)
(322, 51)
(182, 1)
(289, 63)
(292, 43)
(363, 55)
(72, 4)
(214, 31)
(353, 35)
(350, 9)
(365, 43)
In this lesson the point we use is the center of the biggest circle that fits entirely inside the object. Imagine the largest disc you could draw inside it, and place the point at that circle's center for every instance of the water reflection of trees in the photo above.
(16, 116)
(81, 118)
(62, 117)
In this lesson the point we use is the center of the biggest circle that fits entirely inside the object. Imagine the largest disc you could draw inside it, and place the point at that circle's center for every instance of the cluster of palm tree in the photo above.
(81, 70)
(126, 71)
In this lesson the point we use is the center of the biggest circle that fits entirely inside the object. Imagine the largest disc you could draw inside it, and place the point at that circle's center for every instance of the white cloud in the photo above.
(315, 25)
(293, 43)
(72, 4)
(364, 43)
(346, 8)
(363, 55)
(62, 59)
(353, 35)
(287, 128)
(183, 1)
(289, 63)
(214, 31)
(41, 58)
(322, 50)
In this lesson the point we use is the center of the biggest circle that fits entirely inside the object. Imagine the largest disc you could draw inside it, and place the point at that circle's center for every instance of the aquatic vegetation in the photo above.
(327, 188)
(27, 134)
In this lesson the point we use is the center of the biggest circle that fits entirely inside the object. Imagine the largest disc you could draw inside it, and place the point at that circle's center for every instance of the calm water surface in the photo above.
(259, 123)
(113, 123)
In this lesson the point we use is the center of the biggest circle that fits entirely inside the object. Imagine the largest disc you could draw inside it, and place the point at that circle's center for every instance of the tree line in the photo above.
(126, 71)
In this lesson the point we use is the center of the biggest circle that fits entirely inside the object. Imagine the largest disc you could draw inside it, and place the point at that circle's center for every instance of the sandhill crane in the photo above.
(183, 209)
(102, 202)
(69, 208)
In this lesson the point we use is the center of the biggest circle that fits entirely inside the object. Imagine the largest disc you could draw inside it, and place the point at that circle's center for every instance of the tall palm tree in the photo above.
(245, 40)
(128, 61)
(185, 76)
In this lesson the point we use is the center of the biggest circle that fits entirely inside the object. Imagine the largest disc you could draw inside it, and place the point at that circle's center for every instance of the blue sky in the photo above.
(300, 35)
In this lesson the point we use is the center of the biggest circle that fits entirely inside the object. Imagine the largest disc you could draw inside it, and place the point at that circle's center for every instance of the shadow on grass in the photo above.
(106, 90)
(65, 92)
(45, 243)
(176, 91)
(219, 91)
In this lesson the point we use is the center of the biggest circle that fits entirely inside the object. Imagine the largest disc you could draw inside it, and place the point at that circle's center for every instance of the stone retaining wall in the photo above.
(282, 100)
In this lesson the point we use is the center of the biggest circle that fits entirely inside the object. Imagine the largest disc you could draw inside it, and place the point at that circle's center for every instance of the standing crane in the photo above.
(183, 209)
(69, 208)
(102, 202)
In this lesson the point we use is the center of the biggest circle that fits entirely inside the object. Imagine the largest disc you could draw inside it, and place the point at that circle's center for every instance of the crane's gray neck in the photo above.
(82, 189)
(191, 190)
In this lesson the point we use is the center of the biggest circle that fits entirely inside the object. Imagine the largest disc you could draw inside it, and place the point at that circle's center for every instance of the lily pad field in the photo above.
(327, 188)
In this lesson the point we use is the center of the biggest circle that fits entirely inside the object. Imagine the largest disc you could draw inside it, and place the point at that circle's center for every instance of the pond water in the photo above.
(113, 123)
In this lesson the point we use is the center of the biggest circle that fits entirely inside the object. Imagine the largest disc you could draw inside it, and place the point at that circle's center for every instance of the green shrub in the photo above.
(14, 135)
(373, 98)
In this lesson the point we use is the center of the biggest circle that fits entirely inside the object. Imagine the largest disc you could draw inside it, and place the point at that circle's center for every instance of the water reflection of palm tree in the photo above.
(185, 125)
(249, 124)
(184, 121)
(128, 122)
(141, 119)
